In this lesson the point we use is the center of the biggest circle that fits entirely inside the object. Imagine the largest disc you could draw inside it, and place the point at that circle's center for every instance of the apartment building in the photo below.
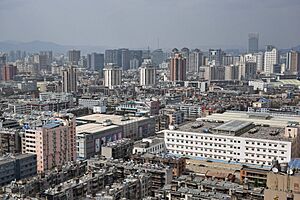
(53, 142)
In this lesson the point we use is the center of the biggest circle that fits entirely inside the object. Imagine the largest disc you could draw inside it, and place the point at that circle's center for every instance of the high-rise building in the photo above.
(157, 57)
(259, 61)
(293, 62)
(113, 56)
(69, 79)
(186, 53)
(54, 143)
(217, 73)
(3, 58)
(271, 59)
(8, 72)
(248, 66)
(195, 60)
(178, 67)
(253, 42)
(134, 63)
(74, 56)
(83, 61)
(95, 62)
(136, 54)
(41, 60)
(215, 57)
(125, 59)
(147, 73)
(112, 75)
(228, 60)
(49, 56)
(232, 72)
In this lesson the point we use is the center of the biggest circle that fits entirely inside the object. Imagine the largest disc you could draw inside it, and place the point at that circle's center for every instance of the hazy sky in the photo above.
(139, 23)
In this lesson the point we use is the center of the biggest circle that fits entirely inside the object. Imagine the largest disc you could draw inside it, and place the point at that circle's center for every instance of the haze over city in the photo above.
(150, 99)
(155, 23)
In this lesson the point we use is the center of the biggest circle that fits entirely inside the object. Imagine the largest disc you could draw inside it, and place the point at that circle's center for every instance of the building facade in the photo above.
(54, 143)
(112, 76)
(178, 68)
(147, 74)
(69, 79)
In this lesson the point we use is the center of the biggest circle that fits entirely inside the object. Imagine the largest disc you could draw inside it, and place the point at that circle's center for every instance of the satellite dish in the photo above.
(290, 171)
(275, 170)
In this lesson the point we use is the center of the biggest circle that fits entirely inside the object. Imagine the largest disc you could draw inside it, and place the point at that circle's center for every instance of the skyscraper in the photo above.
(259, 61)
(69, 79)
(157, 57)
(215, 57)
(49, 56)
(74, 56)
(147, 73)
(8, 72)
(178, 67)
(293, 62)
(271, 59)
(2, 63)
(113, 56)
(195, 60)
(95, 62)
(186, 53)
(136, 55)
(112, 75)
(125, 59)
(253, 42)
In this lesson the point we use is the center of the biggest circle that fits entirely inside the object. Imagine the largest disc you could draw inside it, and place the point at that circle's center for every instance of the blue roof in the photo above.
(51, 125)
(294, 163)
(264, 100)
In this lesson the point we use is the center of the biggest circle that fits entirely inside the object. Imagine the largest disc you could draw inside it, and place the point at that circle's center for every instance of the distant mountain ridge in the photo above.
(36, 46)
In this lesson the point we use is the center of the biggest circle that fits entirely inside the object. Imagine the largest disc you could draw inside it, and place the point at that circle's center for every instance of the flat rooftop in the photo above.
(233, 126)
(96, 122)
(210, 127)
(275, 120)
(116, 119)
(93, 128)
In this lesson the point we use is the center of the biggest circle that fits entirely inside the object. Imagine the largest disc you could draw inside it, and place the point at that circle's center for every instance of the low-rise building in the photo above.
(96, 130)
(178, 165)
(154, 145)
(118, 149)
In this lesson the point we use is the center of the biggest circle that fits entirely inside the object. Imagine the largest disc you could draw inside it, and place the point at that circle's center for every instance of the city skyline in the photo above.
(139, 24)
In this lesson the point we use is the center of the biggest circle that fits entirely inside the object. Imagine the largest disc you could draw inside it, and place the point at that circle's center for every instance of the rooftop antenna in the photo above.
(148, 52)
(157, 43)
